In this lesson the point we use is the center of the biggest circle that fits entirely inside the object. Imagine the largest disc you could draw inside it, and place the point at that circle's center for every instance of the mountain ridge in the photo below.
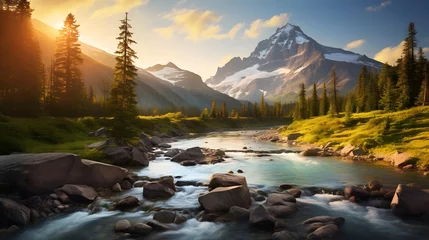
(280, 63)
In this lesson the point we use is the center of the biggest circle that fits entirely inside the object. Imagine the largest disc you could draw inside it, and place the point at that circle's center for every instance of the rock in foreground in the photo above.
(222, 199)
(409, 201)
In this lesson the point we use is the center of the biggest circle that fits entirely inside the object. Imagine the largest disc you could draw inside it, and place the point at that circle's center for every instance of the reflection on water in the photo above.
(265, 173)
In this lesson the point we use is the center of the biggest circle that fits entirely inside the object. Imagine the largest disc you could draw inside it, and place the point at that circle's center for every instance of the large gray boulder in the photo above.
(118, 155)
(221, 199)
(12, 212)
(145, 141)
(194, 153)
(260, 218)
(155, 140)
(42, 173)
(163, 188)
(101, 145)
(357, 192)
(322, 227)
(81, 192)
(173, 152)
(138, 158)
(226, 180)
(126, 203)
(409, 201)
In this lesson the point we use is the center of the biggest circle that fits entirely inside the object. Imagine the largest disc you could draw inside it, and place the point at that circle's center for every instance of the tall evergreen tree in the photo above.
(423, 98)
(388, 99)
(314, 108)
(324, 102)
(21, 68)
(122, 95)
(361, 89)
(302, 103)
(262, 108)
(214, 111)
(68, 88)
(349, 106)
(224, 110)
(333, 103)
(372, 93)
(407, 84)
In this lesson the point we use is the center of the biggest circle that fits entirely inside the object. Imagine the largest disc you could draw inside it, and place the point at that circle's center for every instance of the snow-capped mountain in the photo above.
(282, 62)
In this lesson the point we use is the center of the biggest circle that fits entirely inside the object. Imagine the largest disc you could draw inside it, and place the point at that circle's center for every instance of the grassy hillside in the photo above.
(377, 132)
(48, 134)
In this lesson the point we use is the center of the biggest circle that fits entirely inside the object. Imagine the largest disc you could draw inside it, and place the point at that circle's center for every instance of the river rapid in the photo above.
(327, 175)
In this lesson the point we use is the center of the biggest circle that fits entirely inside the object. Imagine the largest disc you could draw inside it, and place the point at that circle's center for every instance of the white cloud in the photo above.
(196, 25)
(390, 54)
(378, 7)
(259, 24)
(119, 7)
(355, 44)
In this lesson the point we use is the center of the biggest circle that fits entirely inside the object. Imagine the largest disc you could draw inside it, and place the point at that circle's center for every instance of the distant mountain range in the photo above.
(282, 62)
(160, 85)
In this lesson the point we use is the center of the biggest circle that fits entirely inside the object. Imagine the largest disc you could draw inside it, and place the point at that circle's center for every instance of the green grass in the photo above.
(408, 132)
(49, 134)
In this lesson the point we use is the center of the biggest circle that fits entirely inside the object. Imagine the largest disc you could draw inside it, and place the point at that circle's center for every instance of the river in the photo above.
(265, 173)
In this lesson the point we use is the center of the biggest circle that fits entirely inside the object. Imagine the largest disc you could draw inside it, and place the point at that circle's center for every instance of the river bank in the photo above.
(400, 138)
(318, 185)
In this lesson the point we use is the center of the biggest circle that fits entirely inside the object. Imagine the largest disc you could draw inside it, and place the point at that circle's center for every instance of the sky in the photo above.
(202, 35)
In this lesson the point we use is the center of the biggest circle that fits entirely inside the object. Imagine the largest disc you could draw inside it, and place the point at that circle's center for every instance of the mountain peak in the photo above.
(172, 65)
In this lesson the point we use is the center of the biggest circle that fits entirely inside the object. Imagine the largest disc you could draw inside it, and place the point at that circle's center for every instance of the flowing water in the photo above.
(265, 173)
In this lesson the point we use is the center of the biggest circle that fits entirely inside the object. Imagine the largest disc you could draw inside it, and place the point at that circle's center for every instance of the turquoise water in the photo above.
(266, 173)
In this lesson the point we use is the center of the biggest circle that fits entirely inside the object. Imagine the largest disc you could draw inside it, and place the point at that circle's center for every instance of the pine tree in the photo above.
(372, 93)
(205, 114)
(214, 111)
(69, 88)
(262, 108)
(324, 104)
(333, 106)
(423, 98)
(384, 75)
(361, 89)
(21, 68)
(225, 110)
(407, 84)
(302, 103)
(255, 110)
(155, 112)
(388, 99)
(122, 95)
(349, 106)
(314, 109)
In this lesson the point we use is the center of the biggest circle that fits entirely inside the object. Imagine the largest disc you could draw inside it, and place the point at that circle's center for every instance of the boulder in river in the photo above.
(126, 203)
(400, 159)
(117, 188)
(165, 216)
(311, 152)
(79, 192)
(173, 152)
(164, 145)
(357, 192)
(280, 199)
(122, 225)
(155, 140)
(188, 163)
(139, 229)
(138, 158)
(145, 141)
(158, 226)
(163, 188)
(12, 212)
(260, 218)
(226, 180)
(375, 185)
(44, 172)
(221, 199)
(119, 155)
(409, 201)
(322, 227)
(239, 213)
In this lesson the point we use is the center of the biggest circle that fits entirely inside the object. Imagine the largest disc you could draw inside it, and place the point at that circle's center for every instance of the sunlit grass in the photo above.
(409, 131)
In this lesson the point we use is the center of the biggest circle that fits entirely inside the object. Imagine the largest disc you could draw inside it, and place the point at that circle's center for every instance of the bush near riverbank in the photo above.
(49, 134)
(378, 132)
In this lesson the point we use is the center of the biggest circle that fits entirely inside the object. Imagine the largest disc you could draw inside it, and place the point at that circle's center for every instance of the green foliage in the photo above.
(205, 114)
(122, 95)
(214, 111)
(333, 99)
(324, 102)
(302, 103)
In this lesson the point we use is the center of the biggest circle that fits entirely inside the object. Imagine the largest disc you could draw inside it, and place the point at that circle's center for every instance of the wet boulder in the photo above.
(310, 152)
(285, 235)
(260, 218)
(409, 201)
(296, 192)
(139, 229)
(118, 155)
(280, 199)
(154, 190)
(12, 212)
(155, 140)
(122, 225)
(173, 152)
(138, 158)
(239, 213)
(221, 199)
(374, 185)
(359, 193)
(145, 141)
(322, 227)
(164, 145)
(158, 226)
(165, 216)
(226, 180)
(126, 203)
(79, 192)
(283, 210)
(188, 163)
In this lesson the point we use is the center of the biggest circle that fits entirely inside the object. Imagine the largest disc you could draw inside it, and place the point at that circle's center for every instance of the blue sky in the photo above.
(200, 35)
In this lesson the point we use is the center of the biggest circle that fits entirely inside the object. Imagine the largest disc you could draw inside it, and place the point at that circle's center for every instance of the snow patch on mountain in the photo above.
(169, 74)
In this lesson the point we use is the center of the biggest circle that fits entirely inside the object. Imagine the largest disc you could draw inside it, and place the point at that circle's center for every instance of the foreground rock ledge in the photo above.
(36, 174)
